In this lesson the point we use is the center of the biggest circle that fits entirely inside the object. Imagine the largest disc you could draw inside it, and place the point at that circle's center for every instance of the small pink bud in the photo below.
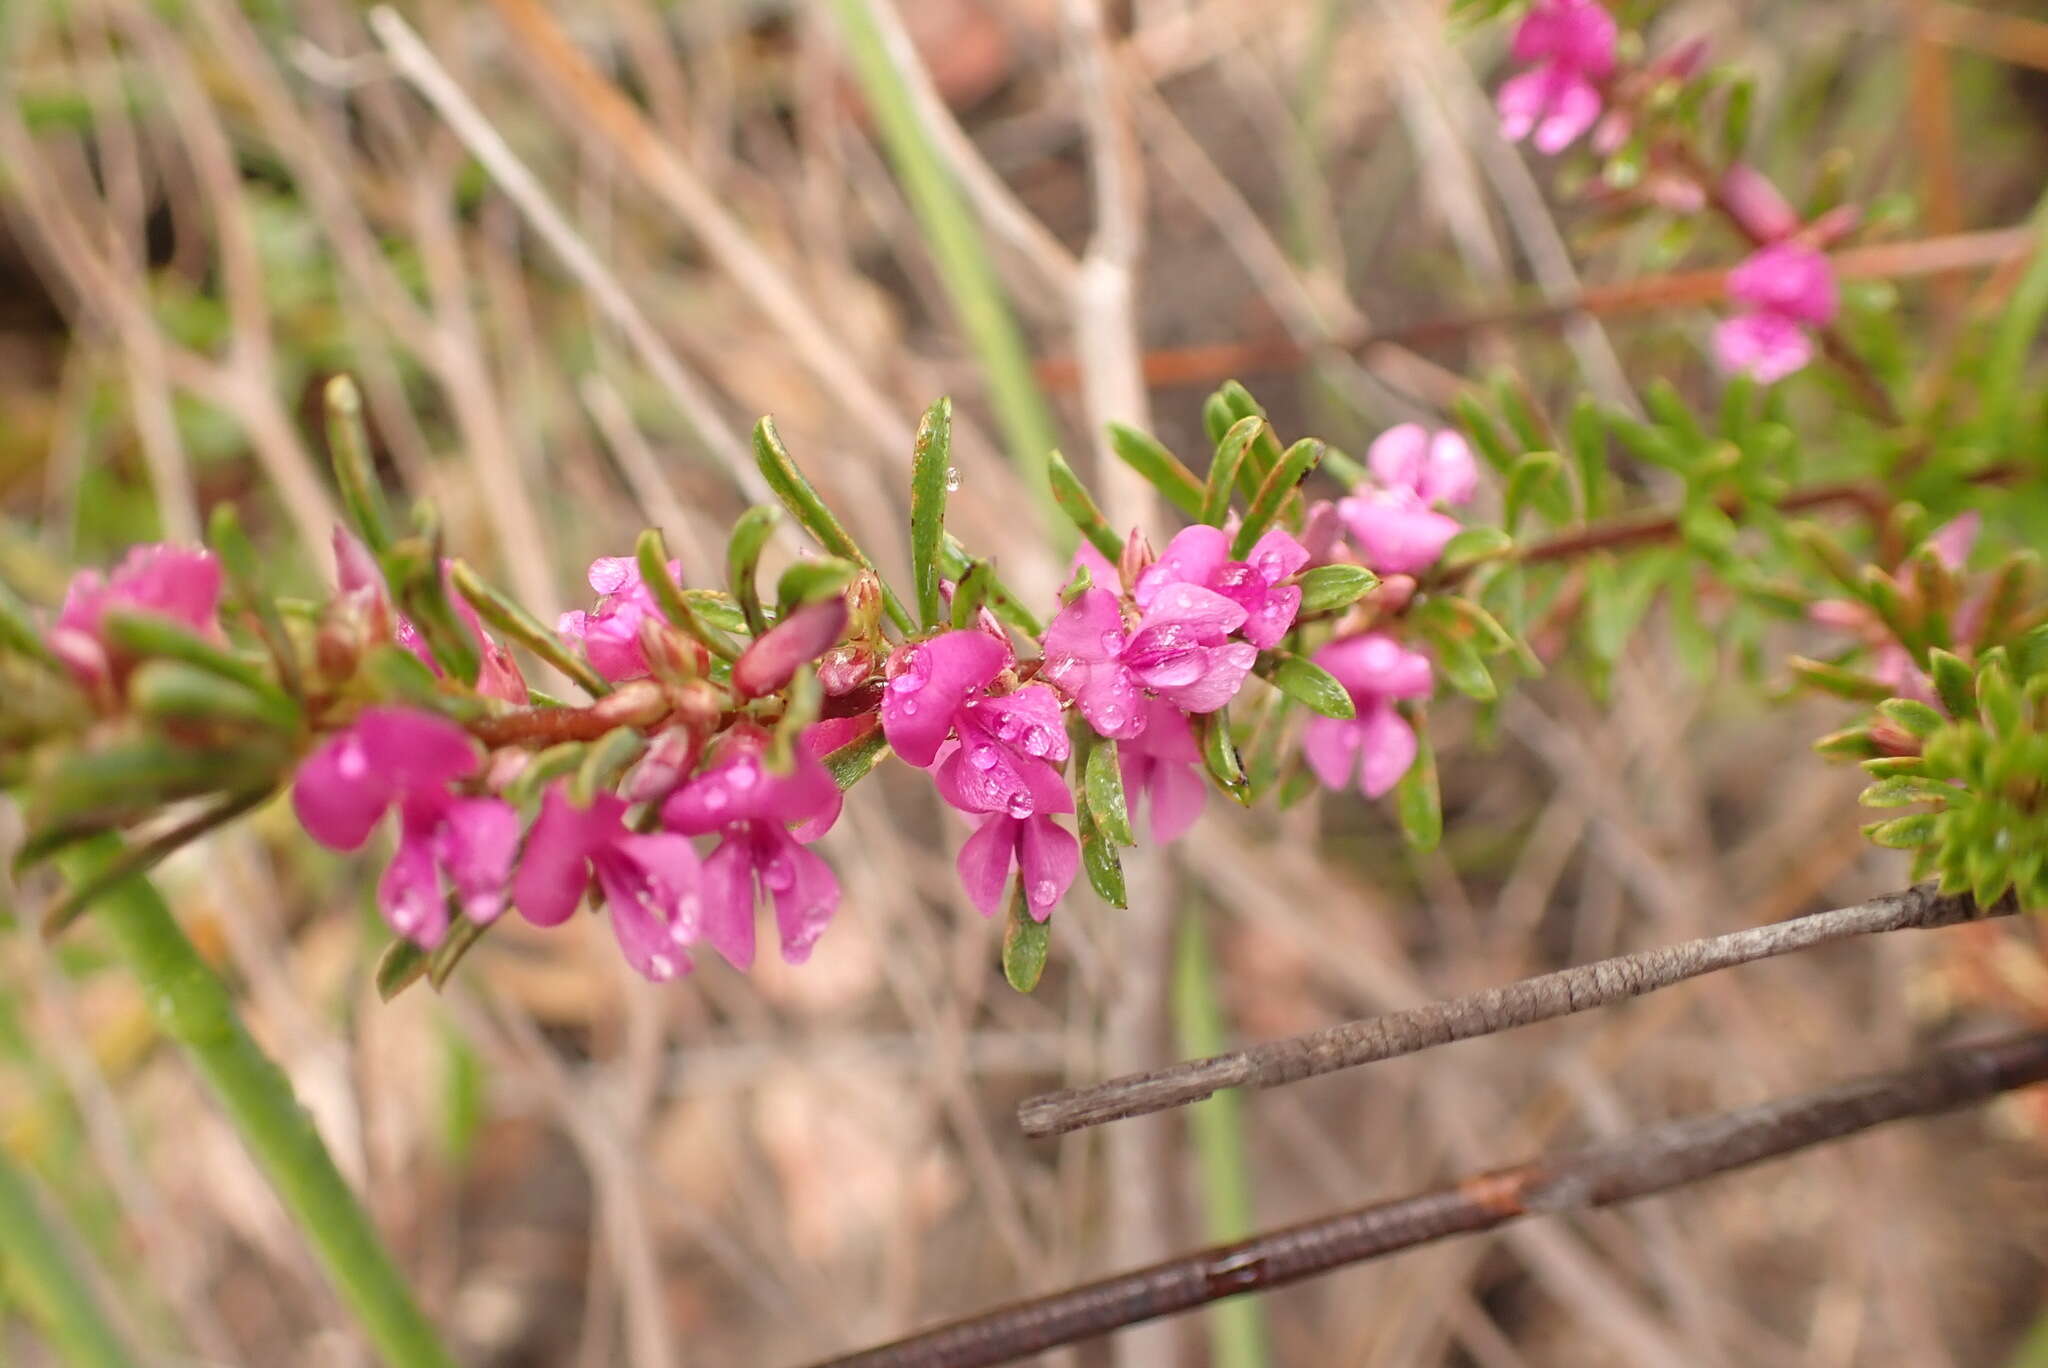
(863, 605)
(843, 669)
(667, 763)
(778, 653)
(671, 657)
(1137, 557)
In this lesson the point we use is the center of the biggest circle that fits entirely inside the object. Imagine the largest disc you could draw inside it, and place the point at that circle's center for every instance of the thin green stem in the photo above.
(37, 1262)
(964, 265)
(1237, 1327)
(192, 1006)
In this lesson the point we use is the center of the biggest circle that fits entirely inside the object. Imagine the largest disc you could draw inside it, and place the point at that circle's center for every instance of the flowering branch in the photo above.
(1545, 997)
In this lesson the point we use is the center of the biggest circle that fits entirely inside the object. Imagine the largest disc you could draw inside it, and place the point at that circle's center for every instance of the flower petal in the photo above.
(1223, 673)
(1765, 346)
(984, 862)
(1386, 748)
(338, 795)
(1048, 858)
(475, 841)
(1193, 557)
(554, 867)
(928, 683)
(409, 893)
(1373, 664)
(804, 904)
(729, 899)
(1330, 746)
(1396, 533)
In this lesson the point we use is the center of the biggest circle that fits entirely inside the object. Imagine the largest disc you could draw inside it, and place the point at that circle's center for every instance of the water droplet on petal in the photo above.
(351, 760)
(1110, 717)
(777, 874)
(909, 709)
(982, 757)
(715, 798)
(660, 968)
(1037, 741)
(952, 478)
(1044, 894)
(1112, 641)
(744, 775)
(1020, 804)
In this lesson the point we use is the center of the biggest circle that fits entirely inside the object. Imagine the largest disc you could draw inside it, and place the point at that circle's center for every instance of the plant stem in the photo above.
(1655, 1159)
(1542, 998)
(192, 1006)
(39, 1265)
(956, 245)
(1237, 1328)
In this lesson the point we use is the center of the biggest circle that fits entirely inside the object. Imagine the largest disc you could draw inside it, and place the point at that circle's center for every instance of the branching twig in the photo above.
(1656, 1159)
(1542, 998)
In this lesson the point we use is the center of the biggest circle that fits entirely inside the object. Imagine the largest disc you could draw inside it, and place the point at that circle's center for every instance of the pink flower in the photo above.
(399, 757)
(1436, 467)
(1375, 748)
(752, 809)
(651, 884)
(1045, 855)
(1200, 556)
(1789, 287)
(1756, 204)
(1180, 652)
(1572, 44)
(176, 582)
(1162, 765)
(929, 683)
(357, 575)
(1008, 757)
(610, 633)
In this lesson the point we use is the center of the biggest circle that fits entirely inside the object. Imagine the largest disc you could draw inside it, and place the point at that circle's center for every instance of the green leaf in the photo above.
(463, 934)
(1219, 754)
(147, 855)
(743, 558)
(1954, 682)
(175, 691)
(245, 575)
(681, 608)
(1512, 402)
(1001, 600)
(1105, 869)
(1616, 600)
(1223, 470)
(412, 567)
(1333, 588)
(18, 632)
(1463, 668)
(1473, 546)
(855, 760)
(1160, 467)
(1912, 716)
(1416, 799)
(562, 758)
(400, 966)
(931, 477)
(1264, 454)
(1074, 501)
(1026, 943)
(970, 592)
(1485, 437)
(1103, 782)
(604, 760)
(1904, 790)
(512, 622)
(1310, 684)
(1903, 833)
(1536, 480)
(147, 636)
(812, 515)
(1851, 743)
(807, 582)
(1278, 487)
(355, 472)
(397, 675)
(1842, 683)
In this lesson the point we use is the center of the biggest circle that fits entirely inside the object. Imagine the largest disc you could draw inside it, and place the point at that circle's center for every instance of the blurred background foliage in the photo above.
(833, 213)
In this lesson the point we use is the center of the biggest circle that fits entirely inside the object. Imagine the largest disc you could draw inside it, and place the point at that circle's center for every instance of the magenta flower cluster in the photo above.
(1567, 47)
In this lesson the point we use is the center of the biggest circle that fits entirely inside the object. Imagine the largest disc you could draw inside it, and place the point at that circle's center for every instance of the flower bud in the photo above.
(845, 668)
(667, 763)
(636, 703)
(863, 605)
(1136, 558)
(778, 653)
(671, 657)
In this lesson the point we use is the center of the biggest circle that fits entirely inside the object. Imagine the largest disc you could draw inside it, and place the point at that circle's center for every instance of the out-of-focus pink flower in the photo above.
(181, 583)
(752, 808)
(1181, 652)
(1200, 556)
(1162, 766)
(1375, 748)
(1436, 467)
(652, 885)
(774, 657)
(1045, 855)
(357, 575)
(400, 757)
(1954, 539)
(1571, 43)
(610, 632)
(1789, 288)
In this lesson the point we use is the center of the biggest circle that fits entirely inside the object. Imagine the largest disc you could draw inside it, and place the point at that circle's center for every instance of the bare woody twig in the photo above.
(1542, 998)
(1656, 1159)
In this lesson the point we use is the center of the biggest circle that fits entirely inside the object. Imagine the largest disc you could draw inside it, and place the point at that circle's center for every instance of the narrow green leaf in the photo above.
(400, 966)
(685, 611)
(605, 759)
(1223, 470)
(1473, 546)
(1416, 799)
(931, 467)
(1103, 782)
(1160, 467)
(1074, 501)
(18, 631)
(855, 760)
(1463, 668)
(1219, 755)
(1536, 481)
(970, 592)
(1587, 440)
(355, 472)
(1903, 833)
(1836, 680)
(1511, 400)
(1001, 601)
(561, 759)
(812, 515)
(1851, 743)
(1264, 453)
(244, 572)
(463, 934)
(144, 856)
(413, 569)
(1104, 867)
(1482, 432)
(1906, 789)
(743, 558)
(1278, 487)
(147, 636)
(1954, 682)
(812, 581)
(1310, 684)
(1026, 943)
(1912, 716)
(1333, 588)
(175, 691)
(512, 622)
(397, 675)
